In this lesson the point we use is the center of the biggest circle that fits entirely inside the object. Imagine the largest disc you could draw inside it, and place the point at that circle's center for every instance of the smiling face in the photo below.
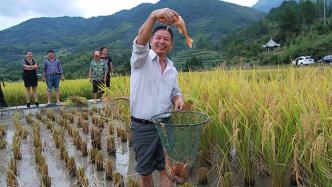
(29, 55)
(161, 43)
(104, 52)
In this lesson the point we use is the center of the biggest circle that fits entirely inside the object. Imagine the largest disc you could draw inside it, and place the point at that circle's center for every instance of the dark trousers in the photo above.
(2, 99)
(108, 82)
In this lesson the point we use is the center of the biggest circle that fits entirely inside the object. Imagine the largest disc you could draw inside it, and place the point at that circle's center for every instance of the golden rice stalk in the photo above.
(226, 180)
(111, 129)
(100, 161)
(63, 123)
(38, 116)
(43, 169)
(71, 167)
(29, 119)
(11, 174)
(77, 141)
(17, 151)
(235, 137)
(85, 127)
(36, 141)
(77, 101)
(92, 154)
(70, 131)
(109, 169)
(133, 182)
(39, 159)
(85, 115)
(96, 138)
(45, 181)
(80, 172)
(221, 112)
(82, 179)
(118, 180)
(122, 134)
(2, 131)
(84, 182)
(267, 130)
(3, 143)
(296, 173)
(79, 122)
(84, 148)
(95, 109)
(202, 175)
(111, 149)
(71, 119)
(319, 146)
(62, 111)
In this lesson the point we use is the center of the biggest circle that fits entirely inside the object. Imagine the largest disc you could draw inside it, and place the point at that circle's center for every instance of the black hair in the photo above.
(50, 51)
(163, 27)
(102, 48)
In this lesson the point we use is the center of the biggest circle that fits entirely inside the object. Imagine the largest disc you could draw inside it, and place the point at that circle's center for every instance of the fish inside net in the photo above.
(180, 134)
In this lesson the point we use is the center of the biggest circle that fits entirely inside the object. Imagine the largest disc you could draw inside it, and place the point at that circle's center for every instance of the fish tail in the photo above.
(189, 42)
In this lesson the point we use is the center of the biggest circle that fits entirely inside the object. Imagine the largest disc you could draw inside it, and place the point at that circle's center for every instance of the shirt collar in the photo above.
(155, 58)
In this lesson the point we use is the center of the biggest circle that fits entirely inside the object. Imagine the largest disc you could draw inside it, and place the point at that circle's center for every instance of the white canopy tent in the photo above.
(270, 45)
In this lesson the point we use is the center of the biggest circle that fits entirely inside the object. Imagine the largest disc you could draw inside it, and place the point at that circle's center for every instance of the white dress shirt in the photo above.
(151, 92)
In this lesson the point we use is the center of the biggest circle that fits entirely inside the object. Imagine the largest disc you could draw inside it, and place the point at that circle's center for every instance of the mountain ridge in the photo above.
(267, 5)
(206, 20)
(73, 38)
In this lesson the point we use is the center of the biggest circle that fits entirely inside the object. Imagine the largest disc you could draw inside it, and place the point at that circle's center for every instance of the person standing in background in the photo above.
(108, 61)
(3, 103)
(97, 75)
(52, 73)
(30, 77)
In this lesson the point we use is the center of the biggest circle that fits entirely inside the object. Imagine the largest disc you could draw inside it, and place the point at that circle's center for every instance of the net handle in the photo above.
(156, 119)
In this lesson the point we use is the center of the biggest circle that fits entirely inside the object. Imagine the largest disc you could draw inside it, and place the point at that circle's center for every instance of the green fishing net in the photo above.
(180, 134)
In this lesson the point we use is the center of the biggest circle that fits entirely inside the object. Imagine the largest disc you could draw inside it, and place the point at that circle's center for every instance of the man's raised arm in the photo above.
(165, 16)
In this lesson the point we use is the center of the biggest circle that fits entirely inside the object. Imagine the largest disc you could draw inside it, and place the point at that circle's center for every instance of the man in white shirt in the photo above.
(153, 90)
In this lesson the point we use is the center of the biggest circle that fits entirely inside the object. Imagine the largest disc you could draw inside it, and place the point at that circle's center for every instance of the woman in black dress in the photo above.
(30, 77)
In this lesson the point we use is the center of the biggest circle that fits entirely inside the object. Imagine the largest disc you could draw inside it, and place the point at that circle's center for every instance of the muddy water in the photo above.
(124, 159)
(28, 172)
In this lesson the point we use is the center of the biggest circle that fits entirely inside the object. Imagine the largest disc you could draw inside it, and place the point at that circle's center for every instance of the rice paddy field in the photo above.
(268, 127)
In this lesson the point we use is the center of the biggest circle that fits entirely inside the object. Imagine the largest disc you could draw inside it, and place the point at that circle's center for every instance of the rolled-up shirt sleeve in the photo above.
(176, 90)
(139, 55)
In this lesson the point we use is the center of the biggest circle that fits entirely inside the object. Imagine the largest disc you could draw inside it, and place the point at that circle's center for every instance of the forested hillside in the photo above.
(299, 28)
(74, 38)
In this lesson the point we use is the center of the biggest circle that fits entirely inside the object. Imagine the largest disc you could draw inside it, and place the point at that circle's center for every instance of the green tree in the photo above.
(193, 63)
(289, 19)
(309, 13)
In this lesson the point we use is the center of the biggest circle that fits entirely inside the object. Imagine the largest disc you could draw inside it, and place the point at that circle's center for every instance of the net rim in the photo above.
(155, 119)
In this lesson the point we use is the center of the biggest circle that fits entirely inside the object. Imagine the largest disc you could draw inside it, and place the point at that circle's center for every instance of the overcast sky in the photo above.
(13, 12)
